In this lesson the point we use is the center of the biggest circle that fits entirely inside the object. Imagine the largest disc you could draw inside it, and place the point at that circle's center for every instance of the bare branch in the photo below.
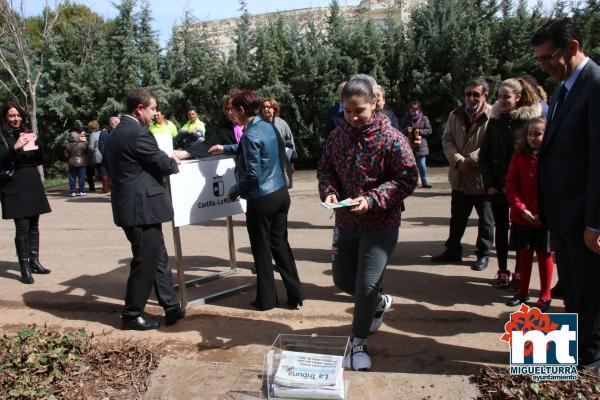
(7, 67)
(8, 89)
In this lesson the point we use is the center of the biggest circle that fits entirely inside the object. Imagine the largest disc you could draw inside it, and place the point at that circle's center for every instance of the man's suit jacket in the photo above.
(569, 163)
(137, 167)
(333, 119)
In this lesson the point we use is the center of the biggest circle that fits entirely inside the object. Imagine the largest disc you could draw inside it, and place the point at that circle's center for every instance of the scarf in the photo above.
(416, 117)
(238, 132)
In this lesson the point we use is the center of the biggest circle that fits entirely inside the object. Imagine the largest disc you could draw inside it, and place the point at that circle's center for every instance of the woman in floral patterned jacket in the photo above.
(371, 163)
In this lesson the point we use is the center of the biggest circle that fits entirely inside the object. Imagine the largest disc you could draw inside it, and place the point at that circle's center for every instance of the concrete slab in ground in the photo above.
(237, 382)
(446, 320)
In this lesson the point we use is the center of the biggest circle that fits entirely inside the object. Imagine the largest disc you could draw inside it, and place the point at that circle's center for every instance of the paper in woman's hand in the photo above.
(31, 144)
(344, 203)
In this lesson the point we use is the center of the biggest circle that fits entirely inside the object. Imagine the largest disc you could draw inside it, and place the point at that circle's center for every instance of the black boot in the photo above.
(22, 244)
(34, 254)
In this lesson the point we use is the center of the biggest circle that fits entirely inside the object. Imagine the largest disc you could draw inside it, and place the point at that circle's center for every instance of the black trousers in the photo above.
(266, 221)
(579, 274)
(461, 207)
(501, 210)
(149, 267)
(23, 226)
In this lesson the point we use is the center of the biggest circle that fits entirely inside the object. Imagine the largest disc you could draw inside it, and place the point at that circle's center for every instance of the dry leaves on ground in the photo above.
(46, 363)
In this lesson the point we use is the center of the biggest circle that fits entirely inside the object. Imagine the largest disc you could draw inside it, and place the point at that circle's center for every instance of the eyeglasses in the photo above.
(269, 107)
(534, 134)
(547, 57)
(473, 94)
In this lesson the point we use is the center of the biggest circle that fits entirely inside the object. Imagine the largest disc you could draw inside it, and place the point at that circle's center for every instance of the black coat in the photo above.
(499, 142)
(333, 119)
(387, 110)
(569, 165)
(23, 195)
(137, 169)
(224, 135)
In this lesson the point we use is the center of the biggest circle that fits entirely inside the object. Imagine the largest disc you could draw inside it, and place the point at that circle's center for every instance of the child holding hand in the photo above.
(527, 232)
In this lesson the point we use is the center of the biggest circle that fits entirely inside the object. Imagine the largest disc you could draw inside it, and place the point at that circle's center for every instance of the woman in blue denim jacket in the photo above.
(259, 179)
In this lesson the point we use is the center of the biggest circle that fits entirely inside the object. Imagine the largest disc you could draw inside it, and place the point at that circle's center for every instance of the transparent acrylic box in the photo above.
(318, 344)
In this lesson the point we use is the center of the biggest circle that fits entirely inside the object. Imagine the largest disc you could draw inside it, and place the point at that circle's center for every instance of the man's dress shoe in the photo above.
(140, 323)
(171, 317)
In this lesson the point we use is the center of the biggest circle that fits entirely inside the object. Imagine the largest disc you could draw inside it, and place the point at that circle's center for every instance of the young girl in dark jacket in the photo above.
(527, 233)
(517, 103)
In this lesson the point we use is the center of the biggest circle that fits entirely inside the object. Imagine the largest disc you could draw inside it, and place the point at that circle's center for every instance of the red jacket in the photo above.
(521, 187)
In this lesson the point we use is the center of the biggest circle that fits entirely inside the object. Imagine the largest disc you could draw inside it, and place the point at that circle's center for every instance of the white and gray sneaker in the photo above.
(357, 357)
(384, 304)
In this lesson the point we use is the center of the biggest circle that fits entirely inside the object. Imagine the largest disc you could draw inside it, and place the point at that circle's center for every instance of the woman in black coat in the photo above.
(23, 196)
(232, 132)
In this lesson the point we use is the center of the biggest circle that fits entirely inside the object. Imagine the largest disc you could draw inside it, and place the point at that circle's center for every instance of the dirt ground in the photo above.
(445, 323)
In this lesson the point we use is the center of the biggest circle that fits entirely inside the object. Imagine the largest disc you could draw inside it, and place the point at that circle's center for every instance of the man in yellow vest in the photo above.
(162, 126)
(193, 129)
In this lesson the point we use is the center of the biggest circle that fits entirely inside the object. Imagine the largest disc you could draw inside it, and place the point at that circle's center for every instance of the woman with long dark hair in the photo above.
(517, 104)
(22, 195)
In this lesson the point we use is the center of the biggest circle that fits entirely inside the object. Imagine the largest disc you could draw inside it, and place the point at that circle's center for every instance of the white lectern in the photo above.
(199, 193)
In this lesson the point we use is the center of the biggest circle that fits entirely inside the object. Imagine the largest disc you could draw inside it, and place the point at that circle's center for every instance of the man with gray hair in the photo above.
(461, 142)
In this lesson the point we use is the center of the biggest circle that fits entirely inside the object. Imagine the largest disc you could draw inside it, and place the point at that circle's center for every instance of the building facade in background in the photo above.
(222, 31)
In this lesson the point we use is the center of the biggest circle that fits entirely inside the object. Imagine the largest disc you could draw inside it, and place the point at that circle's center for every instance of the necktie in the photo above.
(559, 100)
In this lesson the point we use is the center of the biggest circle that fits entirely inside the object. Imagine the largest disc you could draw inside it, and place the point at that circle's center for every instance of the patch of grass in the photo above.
(59, 180)
(498, 384)
(48, 364)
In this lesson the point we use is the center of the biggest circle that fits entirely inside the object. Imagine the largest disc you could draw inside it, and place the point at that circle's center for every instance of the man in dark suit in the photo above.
(140, 204)
(569, 175)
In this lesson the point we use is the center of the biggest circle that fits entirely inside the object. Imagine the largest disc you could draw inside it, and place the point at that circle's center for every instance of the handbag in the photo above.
(6, 171)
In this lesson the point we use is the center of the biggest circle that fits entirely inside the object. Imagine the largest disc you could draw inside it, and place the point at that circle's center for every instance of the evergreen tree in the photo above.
(148, 48)
(72, 85)
(588, 17)
(244, 43)
(88, 64)
(122, 55)
(194, 71)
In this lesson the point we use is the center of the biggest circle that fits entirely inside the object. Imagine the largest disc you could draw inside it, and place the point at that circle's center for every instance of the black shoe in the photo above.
(426, 186)
(26, 275)
(447, 257)
(481, 263)
(516, 301)
(556, 292)
(542, 304)
(171, 317)
(37, 268)
(25, 272)
(293, 304)
(260, 308)
(140, 323)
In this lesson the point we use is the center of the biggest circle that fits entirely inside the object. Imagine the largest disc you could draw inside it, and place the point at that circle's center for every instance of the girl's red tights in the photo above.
(546, 267)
